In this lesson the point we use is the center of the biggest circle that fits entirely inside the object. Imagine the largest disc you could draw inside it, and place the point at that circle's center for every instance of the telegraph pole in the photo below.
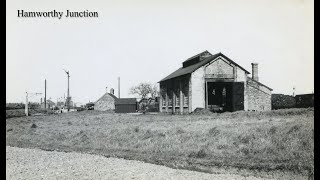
(68, 97)
(45, 94)
(26, 106)
(118, 87)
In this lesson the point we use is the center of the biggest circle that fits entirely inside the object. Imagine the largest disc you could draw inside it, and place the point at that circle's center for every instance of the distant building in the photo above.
(126, 105)
(106, 102)
(213, 82)
(60, 104)
(89, 106)
(50, 104)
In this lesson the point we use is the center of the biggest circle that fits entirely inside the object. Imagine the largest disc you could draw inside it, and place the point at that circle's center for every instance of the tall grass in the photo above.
(271, 140)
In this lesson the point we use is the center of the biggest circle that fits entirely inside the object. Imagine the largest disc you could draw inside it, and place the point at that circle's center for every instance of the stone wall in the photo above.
(259, 97)
(105, 103)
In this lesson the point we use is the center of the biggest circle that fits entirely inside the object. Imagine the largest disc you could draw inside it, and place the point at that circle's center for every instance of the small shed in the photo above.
(125, 105)
(90, 106)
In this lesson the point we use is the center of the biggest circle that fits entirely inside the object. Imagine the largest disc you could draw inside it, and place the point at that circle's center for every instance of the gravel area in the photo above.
(38, 164)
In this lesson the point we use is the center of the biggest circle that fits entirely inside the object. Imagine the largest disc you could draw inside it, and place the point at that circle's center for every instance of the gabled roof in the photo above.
(260, 83)
(197, 55)
(189, 69)
(114, 97)
(126, 101)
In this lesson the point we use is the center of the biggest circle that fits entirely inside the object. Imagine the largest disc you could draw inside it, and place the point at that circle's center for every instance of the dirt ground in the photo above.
(24, 163)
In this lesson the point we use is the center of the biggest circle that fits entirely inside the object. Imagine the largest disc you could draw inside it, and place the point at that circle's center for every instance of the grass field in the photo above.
(280, 140)
(21, 112)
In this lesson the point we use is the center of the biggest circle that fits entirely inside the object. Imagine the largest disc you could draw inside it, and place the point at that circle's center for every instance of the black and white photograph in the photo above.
(159, 89)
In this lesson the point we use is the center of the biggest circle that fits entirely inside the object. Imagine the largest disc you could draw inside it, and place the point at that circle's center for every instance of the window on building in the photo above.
(170, 97)
(163, 100)
(185, 92)
(170, 101)
(177, 93)
(163, 94)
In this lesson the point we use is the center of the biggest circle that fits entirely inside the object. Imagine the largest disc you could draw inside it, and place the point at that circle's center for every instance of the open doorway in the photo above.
(225, 96)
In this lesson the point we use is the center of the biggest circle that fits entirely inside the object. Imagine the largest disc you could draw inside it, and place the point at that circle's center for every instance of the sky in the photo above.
(145, 40)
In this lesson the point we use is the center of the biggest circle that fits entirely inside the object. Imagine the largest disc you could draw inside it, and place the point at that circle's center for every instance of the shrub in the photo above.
(281, 101)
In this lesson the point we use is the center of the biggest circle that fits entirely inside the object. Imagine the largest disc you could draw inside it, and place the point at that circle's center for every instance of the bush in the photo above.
(281, 101)
(10, 106)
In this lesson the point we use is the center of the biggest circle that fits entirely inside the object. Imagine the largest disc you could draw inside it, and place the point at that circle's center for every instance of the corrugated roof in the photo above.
(126, 101)
(189, 69)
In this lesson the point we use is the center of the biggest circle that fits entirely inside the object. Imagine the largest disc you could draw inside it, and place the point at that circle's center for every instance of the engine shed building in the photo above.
(213, 82)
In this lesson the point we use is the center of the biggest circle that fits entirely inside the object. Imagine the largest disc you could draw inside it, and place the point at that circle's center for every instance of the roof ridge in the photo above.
(189, 69)
(260, 83)
(206, 51)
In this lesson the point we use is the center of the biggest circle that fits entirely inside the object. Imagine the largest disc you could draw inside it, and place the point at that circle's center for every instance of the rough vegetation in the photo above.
(279, 140)
(21, 112)
(281, 101)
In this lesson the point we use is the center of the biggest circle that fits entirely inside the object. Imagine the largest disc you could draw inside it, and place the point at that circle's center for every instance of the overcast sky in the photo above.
(144, 41)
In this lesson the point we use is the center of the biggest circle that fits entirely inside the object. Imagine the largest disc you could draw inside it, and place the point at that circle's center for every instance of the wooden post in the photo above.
(26, 106)
(167, 103)
(173, 101)
(45, 94)
(160, 99)
(206, 90)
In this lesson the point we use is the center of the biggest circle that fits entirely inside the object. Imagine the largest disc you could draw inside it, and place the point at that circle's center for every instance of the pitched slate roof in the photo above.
(113, 96)
(197, 55)
(260, 83)
(125, 101)
(189, 69)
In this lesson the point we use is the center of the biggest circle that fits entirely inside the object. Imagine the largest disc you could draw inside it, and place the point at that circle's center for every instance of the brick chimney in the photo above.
(112, 91)
(255, 71)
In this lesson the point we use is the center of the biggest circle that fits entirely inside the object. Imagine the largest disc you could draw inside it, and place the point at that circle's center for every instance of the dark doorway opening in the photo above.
(225, 96)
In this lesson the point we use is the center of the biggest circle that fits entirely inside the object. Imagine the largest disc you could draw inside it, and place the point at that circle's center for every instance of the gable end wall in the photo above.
(259, 97)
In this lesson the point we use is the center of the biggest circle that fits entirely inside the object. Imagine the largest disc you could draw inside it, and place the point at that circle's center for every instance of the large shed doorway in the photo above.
(225, 96)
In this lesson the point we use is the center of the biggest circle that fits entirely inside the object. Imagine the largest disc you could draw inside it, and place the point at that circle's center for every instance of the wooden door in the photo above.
(238, 96)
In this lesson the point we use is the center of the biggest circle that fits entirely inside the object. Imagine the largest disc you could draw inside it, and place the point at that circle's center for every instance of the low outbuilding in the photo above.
(126, 105)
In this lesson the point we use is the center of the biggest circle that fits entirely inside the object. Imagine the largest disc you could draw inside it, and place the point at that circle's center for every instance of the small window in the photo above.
(163, 100)
(185, 91)
(170, 102)
(177, 94)
(177, 103)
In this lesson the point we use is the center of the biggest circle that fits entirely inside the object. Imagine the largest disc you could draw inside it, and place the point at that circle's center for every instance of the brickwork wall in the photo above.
(259, 97)
(105, 103)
